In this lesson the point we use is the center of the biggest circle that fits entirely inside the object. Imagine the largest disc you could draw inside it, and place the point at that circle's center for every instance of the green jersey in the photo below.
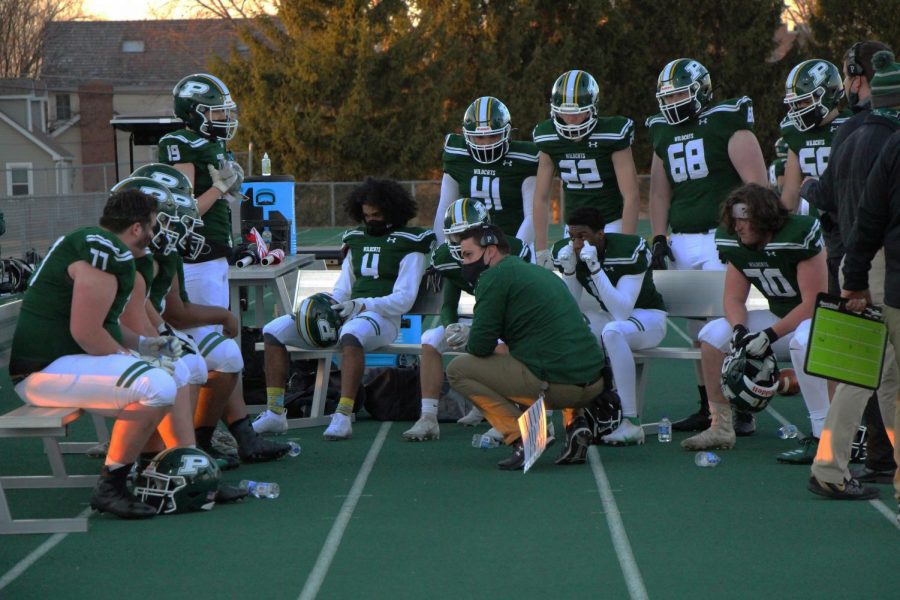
(776, 170)
(532, 311)
(624, 255)
(376, 259)
(697, 165)
(585, 166)
(772, 269)
(498, 184)
(144, 267)
(168, 266)
(185, 146)
(454, 283)
(813, 146)
(43, 329)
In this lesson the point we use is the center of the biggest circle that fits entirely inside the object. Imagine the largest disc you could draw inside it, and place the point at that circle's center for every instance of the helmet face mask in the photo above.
(486, 128)
(574, 93)
(317, 323)
(749, 383)
(812, 90)
(179, 480)
(189, 242)
(683, 90)
(165, 231)
(461, 215)
(204, 103)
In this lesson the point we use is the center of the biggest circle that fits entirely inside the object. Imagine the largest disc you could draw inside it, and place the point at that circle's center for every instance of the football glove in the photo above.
(661, 251)
(239, 170)
(349, 309)
(188, 345)
(589, 257)
(737, 337)
(165, 345)
(566, 259)
(223, 178)
(160, 362)
(757, 344)
(543, 258)
(456, 335)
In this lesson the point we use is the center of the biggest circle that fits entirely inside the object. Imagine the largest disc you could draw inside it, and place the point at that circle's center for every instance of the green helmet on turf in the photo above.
(204, 103)
(165, 232)
(812, 90)
(179, 480)
(680, 76)
(461, 215)
(574, 93)
(749, 382)
(317, 323)
(487, 117)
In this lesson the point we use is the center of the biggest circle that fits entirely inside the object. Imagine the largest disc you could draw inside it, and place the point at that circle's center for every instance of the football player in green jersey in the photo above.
(776, 167)
(462, 215)
(483, 163)
(379, 282)
(701, 151)
(592, 155)
(782, 256)
(627, 313)
(69, 350)
(813, 90)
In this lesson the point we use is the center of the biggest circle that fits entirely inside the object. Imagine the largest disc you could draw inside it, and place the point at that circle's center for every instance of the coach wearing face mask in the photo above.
(550, 347)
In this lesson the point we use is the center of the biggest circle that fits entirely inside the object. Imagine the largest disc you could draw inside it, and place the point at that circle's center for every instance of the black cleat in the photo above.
(259, 449)
(578, 440)
(228, 493)
(848, 490)
(699, 421)
(744, 423)
(867, 475)
(110, 495)
(226, 462)
(516, 460)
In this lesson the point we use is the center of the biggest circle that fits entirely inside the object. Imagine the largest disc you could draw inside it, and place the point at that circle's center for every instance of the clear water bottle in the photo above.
(484, 441)
(261, 489)
(664, 430)
(706, 459)
(787, 432)
(267, 236)
(266, 165)
(295, 449)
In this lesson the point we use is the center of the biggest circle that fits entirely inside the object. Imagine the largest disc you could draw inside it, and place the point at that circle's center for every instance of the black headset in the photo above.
(854, 67)
(488, 237)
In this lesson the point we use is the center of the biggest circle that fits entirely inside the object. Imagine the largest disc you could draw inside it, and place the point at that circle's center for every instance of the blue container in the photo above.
(271, 203)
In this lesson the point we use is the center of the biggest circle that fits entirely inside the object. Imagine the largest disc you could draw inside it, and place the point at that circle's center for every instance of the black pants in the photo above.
(879, 452)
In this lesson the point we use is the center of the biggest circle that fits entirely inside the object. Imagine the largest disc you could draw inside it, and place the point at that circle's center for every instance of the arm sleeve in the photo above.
(526, 229)
(619, 299)
(450, 307)
(449, 193)
(574, 286)
(344, 284)
(406, 288)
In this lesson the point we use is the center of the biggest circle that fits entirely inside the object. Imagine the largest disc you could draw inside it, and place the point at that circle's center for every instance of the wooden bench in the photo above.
(687, 294)
(50, 424)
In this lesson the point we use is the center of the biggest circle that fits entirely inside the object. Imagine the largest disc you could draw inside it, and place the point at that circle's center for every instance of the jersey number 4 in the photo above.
(580, 174)
(687, 161)
(487, 189)
(369, 265)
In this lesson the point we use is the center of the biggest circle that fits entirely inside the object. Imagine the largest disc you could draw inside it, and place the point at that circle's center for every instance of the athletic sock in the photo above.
(429, 407)
(275, 399)
(345, 406)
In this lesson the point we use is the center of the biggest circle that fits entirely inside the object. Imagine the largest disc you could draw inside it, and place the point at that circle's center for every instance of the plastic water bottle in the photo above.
(664, 430)
(266, 165)
(261, 489)
(484, 441)
(788, 431)
(267, 236)
(295, 449)
(706, 459)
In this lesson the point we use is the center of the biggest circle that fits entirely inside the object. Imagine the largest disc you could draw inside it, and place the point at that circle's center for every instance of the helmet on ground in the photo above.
(179, 480)
(461, 215)
(812, 90)
(487, 117)
(574, 93)
(204, 103)
(749, 382)
(165, 232)
(680, 76)
(317, 323)
(604, 414)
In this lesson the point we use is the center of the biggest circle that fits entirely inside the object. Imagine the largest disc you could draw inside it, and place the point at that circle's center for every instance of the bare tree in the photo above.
(221, 9)
(23, 32)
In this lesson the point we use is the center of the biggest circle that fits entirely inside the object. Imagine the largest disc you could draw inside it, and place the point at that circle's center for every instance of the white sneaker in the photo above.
(270, 422)
(626, 433)
(340, 428)
(493, 433)
(426, 428)
(471, 419)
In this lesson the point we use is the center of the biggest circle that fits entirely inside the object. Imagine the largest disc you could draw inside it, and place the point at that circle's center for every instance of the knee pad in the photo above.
(224, 356)
(434, 338)
(197, 367)
(156, 389)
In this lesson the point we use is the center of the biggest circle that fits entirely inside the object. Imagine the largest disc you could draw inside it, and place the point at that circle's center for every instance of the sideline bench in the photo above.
(49, 424)
(687, 294)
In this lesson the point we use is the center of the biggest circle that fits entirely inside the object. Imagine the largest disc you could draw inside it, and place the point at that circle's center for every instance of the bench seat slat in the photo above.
(37, 417)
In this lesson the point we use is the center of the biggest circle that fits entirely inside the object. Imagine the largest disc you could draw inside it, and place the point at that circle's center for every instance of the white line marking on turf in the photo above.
(777, 416)
(37, 553)
(329, 549)
(681, 332)
(630, 570)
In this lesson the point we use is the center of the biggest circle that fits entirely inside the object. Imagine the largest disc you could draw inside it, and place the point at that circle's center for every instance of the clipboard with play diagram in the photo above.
(846, 346)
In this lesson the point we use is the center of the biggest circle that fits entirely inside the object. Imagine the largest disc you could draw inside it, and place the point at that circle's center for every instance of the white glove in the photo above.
(456, 335)
(757, 343)
(543, 258)
(589, 257)
(566, 259)
(224, 177)
(160, 362)
(348, 309)
(188, 345)
(237, 168)
(165, 345)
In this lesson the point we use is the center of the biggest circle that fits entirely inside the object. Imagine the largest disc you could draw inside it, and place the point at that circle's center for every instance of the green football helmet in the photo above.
(781, 148)
(679, 76)
(574, 93)
(190, 241)
(179, 480)
(317, 323)
(812, 90)
(749, 382)
(487, 117)
(463, 214)
(165, 232)
(197, 96)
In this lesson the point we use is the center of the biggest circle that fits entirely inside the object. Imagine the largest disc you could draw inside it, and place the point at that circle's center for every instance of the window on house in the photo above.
(63, 107)
(18, 179)
(133, 46)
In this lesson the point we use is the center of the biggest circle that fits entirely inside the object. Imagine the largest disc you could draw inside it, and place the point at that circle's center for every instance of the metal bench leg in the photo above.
(8, 525)
(82, 447)
(316, 414)
(641, 369)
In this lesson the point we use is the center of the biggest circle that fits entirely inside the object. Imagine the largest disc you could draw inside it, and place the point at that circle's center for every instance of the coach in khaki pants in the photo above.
(547, 344)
